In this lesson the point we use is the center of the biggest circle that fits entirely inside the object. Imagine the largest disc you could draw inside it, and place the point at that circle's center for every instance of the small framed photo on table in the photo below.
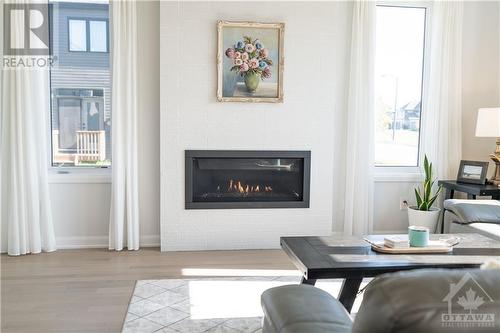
(472, 172)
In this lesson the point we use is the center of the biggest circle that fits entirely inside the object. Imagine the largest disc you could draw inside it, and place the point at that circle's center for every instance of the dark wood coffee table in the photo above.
(352, 259)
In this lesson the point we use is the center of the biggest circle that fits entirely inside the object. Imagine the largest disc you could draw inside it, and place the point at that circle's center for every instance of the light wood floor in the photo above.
(89, 290)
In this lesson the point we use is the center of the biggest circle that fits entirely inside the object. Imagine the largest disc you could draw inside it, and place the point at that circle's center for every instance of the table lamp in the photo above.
(488, 125)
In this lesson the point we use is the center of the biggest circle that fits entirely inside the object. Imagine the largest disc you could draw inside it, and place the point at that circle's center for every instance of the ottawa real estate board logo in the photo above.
(26, 36)
(466, 299)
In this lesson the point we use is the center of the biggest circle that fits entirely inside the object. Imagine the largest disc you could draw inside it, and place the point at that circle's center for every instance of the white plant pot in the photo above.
(423, 218)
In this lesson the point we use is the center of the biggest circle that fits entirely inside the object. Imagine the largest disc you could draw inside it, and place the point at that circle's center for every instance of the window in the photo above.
(398, 84)
(98, 36)
(80, 84)
(88, 35)
(77, 35)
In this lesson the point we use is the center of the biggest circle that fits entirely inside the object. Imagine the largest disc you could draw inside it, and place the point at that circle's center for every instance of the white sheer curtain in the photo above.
(442, 107)
(124, 215)
(25, 203)
(356, 194)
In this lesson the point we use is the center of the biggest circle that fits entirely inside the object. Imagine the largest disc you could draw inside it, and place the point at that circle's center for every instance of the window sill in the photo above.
(398, 178)
(397, 175)
(93, 176)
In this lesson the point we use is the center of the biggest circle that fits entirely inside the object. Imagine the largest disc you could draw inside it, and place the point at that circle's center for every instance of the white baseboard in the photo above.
(88, 242)
(150, 240)
(97, 242)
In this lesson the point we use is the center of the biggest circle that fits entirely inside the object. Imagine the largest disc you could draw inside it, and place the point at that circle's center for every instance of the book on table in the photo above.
(396, 241)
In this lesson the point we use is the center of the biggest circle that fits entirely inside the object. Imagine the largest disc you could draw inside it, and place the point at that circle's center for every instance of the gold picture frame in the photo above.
(250, 62)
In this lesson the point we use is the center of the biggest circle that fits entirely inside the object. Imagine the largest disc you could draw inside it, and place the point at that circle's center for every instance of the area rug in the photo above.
(195, 305)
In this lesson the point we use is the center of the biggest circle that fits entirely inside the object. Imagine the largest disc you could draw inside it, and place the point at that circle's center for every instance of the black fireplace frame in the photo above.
(190, 154)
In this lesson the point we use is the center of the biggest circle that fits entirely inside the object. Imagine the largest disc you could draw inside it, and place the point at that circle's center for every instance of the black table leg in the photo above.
(442, 220)
(471, 196)
(348, 292)
(310, 282)
(449, 194)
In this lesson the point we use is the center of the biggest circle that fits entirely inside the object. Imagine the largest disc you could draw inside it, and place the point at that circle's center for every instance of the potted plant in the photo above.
(423, 214)
(251, 61)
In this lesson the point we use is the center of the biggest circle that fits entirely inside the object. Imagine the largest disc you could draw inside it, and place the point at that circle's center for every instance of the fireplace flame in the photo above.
(238, 186)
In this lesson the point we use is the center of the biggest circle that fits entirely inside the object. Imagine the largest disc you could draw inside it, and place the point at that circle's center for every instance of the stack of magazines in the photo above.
(396, 241)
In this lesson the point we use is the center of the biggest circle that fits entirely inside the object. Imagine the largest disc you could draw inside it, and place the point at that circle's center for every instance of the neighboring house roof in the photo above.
(415, 105)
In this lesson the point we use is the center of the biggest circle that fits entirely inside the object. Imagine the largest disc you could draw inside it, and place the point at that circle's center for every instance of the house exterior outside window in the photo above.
(399, 71)
(80, 84)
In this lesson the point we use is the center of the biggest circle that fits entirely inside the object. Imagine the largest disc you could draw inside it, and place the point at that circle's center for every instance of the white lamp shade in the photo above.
(488, 122)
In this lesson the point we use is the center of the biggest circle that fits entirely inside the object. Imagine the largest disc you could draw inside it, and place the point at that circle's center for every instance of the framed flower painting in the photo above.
(250, 62)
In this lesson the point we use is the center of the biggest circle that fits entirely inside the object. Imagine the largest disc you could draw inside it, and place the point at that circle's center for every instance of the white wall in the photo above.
(481, 74)
(81, 208)
(316, 44)
(149, 120)
(77, 225)
(388, 217)
(80, 213)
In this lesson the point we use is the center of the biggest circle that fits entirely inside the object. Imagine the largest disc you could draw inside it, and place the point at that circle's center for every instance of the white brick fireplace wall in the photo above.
(316, 50)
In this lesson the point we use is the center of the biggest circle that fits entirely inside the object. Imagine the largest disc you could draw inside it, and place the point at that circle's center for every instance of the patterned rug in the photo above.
(195, 305)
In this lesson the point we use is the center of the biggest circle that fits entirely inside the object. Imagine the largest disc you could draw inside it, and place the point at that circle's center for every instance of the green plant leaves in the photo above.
(419, 197)
(426, 199)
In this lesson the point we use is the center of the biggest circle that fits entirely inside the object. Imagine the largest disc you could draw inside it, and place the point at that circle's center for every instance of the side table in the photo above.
(472, 190)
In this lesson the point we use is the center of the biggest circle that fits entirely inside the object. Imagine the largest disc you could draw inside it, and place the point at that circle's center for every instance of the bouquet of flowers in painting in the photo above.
(251, 61)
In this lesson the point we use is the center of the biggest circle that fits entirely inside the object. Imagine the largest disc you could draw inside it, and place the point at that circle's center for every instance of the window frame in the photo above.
(69, 174)
(87, 33)
(399, 173)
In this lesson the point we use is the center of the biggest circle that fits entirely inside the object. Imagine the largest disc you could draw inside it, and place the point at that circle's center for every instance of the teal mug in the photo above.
(418, 236)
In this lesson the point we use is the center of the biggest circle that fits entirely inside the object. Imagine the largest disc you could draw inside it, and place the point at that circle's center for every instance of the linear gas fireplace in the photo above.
(225, 179)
